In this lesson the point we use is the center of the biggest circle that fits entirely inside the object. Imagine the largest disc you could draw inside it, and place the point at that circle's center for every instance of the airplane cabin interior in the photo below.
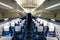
(29, 19)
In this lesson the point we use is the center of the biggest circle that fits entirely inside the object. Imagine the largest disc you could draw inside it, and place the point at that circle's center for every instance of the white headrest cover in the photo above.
(6, 27)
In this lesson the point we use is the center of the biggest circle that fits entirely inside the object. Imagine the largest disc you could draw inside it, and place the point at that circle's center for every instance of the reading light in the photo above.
(6, 5)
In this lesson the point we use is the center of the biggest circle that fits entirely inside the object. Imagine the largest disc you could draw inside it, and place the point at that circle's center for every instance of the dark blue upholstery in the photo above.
(12, 30)
(29, 30)
(6, 33)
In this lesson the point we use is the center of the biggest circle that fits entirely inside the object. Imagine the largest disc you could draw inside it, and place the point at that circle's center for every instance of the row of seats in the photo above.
(17, 29)
(38, 25)
(10, 28)
(47, 25)
(29, 31)
(40, 29)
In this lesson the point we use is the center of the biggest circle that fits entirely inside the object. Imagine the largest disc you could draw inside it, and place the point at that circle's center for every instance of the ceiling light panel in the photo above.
(58, 4)
(6, 5)
(29, 3)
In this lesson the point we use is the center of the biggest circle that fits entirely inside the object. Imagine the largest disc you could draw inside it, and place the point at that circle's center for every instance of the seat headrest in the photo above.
(45, 23)
(41, 22)
(51, 27)
(12, 23)
(16, 22)
(6, 27)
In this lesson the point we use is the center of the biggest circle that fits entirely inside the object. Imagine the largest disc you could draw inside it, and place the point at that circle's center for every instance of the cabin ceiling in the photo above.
(48, 6)
(29, 5)
(11, 4)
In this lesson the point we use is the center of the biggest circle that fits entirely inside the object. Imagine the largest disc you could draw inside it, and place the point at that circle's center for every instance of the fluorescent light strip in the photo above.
(6, 5)
(18, 10)
(53, 6)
